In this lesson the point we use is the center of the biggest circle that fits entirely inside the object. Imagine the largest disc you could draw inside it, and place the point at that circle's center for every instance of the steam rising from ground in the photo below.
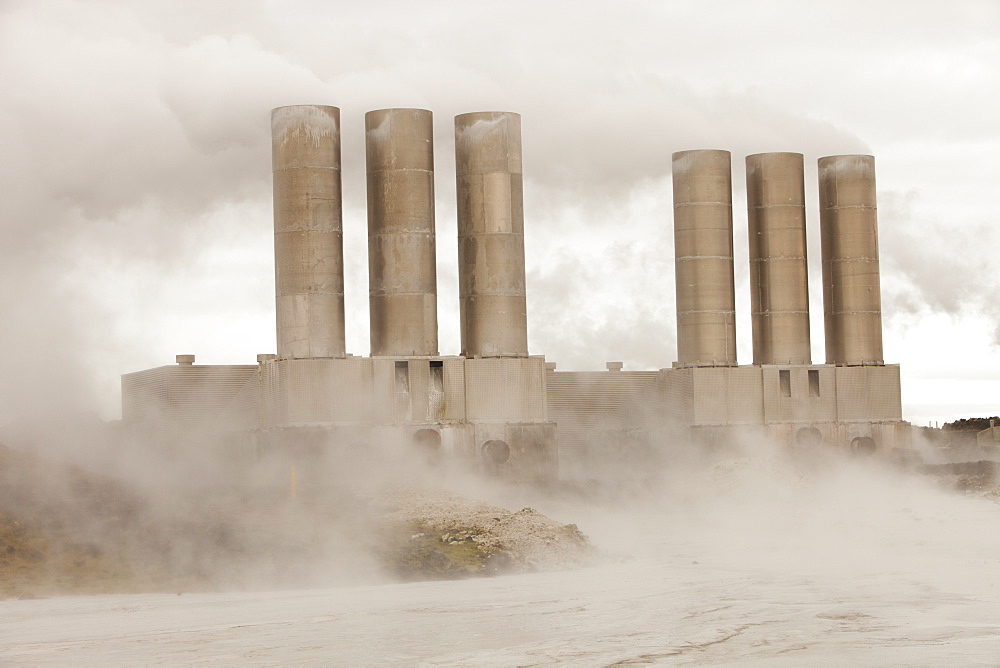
(752, 552)
(206, 514)
(224, 519)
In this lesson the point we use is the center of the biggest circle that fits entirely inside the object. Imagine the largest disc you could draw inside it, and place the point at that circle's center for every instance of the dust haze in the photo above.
(137, 225)
(745, 550)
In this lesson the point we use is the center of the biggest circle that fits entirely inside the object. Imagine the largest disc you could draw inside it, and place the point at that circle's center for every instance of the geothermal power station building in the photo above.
(495, 404)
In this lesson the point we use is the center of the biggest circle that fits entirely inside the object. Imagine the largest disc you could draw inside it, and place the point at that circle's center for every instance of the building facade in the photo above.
(495, 404)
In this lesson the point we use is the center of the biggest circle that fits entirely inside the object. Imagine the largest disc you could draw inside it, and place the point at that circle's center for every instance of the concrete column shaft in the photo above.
(308, 244)
(401, 241)
(703, 254)
(491, 235)
(852, 302)
(779, 275)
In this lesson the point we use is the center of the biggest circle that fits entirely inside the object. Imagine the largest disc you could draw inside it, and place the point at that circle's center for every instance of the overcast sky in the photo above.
(135, 165)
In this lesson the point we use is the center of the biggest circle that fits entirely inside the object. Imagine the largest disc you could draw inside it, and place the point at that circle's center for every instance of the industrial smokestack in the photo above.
(401, 261)
(852, 303)
(308, 244)
(779, 277)
(491, 235)
(703, 253)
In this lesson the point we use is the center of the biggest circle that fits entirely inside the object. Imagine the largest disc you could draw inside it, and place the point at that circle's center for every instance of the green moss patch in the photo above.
(415, 551)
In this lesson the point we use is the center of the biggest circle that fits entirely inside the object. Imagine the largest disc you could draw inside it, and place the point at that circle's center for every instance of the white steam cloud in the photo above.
(136, 208)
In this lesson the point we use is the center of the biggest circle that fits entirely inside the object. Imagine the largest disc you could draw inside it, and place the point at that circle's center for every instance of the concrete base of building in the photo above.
(855, 438)
(523, 452)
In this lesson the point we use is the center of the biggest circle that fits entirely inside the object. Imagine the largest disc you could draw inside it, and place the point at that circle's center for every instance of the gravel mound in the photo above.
(505, 541)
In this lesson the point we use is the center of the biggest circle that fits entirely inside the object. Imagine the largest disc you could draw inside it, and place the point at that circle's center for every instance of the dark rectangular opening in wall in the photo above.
(437, 377)
(785, 382)
(813, 382)
(401, 392)
(435, 390)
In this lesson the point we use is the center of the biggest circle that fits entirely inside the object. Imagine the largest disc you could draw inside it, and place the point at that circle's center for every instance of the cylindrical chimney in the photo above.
(491, 235)
(401, 263)
(703, 253)
(308, 244)
(852, 303)
(779, 277)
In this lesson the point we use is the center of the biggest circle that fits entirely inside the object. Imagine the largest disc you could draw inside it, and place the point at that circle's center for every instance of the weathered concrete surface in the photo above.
(308, 243)
(703, 252)
(852, 302)
(491, 235)
(779, 276)
(401, 260)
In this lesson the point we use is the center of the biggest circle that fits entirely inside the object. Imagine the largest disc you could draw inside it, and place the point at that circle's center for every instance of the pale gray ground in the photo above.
(761, 563)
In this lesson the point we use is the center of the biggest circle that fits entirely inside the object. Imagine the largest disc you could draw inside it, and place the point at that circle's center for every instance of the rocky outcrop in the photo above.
(453, 536)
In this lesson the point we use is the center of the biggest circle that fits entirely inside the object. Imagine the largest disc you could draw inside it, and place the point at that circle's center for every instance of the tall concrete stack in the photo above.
(308, 242)
(703, 254)
(401, 253)
(779, 277)
(491, 235)
(852, 304)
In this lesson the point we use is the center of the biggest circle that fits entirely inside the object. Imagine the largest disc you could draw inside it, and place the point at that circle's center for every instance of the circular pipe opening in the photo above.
(496, 452)
(427, 439)
(427, 443)
(863, 445)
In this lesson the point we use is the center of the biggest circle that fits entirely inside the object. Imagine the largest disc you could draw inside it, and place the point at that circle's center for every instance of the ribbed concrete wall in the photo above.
(703, 253)
(852, 303)
(582, 404)
(401, 261)
(779, 277)
(189, 398)
(308, 243)
(491, 235)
